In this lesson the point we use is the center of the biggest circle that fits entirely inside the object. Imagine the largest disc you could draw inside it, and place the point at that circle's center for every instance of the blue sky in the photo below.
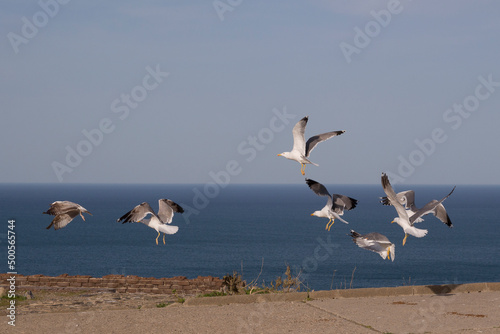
(185, 92)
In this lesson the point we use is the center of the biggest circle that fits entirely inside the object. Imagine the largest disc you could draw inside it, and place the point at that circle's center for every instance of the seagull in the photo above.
(302, 149)
(156, 221)
(404, 220)
(64, 212)
(375, 242)
(407, 198)
(335, 205)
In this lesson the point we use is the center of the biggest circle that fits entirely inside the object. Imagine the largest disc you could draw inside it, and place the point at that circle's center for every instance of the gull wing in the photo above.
(299, 142)
(341, 203)
(406, 198)
(377, 237)
(320, 190)
(317, 187)
(166, 210)
(431, 207)
(442, 215)
(63, 219)
(137, 214)
(392, 197)
(59, 207)
(315, 140)
(374, 242)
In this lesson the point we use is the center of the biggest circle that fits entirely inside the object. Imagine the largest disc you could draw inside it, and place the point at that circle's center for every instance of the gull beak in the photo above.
(392, 222)
(312, 214)
(279, 155)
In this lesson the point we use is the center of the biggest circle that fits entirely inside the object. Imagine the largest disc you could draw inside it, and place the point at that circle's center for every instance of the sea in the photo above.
(255, 231)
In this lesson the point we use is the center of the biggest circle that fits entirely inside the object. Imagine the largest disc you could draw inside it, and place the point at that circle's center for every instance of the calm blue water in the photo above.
(243, 225)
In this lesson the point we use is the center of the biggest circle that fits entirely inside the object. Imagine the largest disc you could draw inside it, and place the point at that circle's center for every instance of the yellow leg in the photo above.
(303, 169)
(164, 238)
(157, 238)
(326, 227)
(404, 240)
(331, 224)
(82, 216)
(388, 253)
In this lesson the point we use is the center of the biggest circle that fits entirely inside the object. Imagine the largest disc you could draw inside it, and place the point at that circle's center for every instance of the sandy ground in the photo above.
(84, 312)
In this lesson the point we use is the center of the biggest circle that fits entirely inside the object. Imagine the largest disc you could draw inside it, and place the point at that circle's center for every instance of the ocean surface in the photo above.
(256, 230)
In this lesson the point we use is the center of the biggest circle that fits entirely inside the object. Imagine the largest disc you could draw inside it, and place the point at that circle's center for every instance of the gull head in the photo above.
(317, 214)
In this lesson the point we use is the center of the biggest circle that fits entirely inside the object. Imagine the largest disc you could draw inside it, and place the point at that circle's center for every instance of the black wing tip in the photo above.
(448, 221)
(50, 211)
(385, 180)
(385, 201)
(354, 202)
(176, 207)
(125, 218)
(180, 209)
(452, 190)
(354, 235)
(311, 182)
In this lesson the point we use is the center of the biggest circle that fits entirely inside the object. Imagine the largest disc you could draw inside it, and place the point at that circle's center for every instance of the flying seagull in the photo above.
(159, 221)
(407, 198)
(375, 242)
(335, 205)
(404, 220)
(302, 149)
(64, 212)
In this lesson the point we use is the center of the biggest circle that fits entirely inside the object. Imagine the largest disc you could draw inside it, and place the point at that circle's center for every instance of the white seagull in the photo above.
(335, 205)
(404, 220)
(407, 198)
(302, 149)
(64, 212)
(375, 242)
(159, 221)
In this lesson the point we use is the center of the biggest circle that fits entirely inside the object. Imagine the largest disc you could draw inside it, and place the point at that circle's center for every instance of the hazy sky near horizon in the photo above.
(192, 91)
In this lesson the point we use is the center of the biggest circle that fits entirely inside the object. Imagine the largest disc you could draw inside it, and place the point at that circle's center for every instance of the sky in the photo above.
(208, 91)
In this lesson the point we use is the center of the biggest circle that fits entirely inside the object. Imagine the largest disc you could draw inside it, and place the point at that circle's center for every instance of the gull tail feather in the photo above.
(336, 215)
(168, 229)
(416, 232)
